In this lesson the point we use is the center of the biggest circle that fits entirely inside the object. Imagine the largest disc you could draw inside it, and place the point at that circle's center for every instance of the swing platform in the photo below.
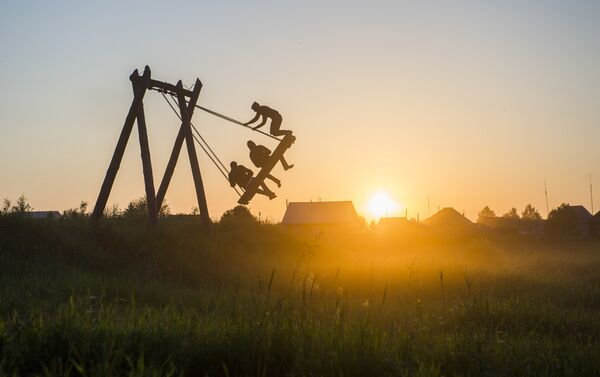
(254, 184)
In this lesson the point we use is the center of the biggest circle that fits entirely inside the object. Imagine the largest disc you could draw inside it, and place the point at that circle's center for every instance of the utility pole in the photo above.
(428, 207)
(591, 194)
(546, 193)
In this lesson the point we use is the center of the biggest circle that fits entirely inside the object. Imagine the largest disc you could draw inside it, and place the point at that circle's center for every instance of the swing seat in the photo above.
(255, 182)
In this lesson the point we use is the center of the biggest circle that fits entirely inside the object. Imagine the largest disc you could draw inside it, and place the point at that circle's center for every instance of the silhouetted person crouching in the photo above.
(241, 176)
(259, 155)
(266, 113)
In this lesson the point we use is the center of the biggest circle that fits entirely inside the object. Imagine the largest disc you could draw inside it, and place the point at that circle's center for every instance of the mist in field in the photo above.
(252, 298)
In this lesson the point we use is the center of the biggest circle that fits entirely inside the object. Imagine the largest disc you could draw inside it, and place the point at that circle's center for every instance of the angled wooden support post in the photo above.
(187, 110)
(253, 185)
(147, 167)
(164, 184)
(115, 162)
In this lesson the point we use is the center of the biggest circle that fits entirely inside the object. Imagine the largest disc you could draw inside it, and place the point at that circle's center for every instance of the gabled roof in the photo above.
(341, 212)
(448, 217)
(583, 215)
(595, 219)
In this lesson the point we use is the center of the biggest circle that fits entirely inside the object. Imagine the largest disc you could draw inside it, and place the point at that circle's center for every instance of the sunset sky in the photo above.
(469, 103)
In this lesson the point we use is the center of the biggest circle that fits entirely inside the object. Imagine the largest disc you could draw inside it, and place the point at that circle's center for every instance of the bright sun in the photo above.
(381, 205)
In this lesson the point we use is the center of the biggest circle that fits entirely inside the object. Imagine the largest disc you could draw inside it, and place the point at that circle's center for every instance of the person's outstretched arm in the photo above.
(253, 119)
(262, 123)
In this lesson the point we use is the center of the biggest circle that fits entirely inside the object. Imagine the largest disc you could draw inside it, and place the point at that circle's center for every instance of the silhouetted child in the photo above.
(267, 112)
(241, 176)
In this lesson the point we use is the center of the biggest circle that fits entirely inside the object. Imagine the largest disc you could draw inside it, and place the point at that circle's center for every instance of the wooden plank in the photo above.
(115, 162)
(186, 115)
(250, 189)
(147, 167)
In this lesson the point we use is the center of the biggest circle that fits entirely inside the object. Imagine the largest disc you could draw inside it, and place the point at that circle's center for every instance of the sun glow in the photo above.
(381, 205)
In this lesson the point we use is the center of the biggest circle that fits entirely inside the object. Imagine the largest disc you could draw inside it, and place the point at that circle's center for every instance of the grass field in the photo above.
(257, 300)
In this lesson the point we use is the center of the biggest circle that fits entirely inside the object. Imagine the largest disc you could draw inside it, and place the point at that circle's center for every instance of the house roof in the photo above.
(340, 212)
(583, 215)
(43, 214)
(448, 217)
(595, 219)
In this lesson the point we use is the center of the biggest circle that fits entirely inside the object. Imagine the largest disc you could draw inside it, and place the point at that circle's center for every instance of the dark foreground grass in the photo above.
(117, 299)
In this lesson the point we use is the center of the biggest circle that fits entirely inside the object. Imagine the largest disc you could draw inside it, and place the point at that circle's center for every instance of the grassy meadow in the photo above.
(251, 299)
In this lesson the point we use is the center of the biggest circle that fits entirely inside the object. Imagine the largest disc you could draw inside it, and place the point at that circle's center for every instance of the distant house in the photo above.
(500, 224)
(532, 227)
(398, 225)
(320, 214)
(450, 219)
(583, 218)
(44, 214)
(393, 221)
(594, 224)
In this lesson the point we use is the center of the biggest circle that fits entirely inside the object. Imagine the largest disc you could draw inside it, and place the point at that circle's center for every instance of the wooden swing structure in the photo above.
(186, 101)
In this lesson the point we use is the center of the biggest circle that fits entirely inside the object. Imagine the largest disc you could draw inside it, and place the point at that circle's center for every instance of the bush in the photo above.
(238, 214)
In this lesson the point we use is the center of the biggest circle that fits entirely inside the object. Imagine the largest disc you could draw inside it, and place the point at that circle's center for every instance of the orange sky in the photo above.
(469, 104)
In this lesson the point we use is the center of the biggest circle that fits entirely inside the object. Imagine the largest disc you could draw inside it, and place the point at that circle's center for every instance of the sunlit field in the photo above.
(262, 300)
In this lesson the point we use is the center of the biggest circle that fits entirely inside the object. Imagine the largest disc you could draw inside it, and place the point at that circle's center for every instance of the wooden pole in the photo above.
(164, 185)
(186, 114)
(115, 162)
(147, 167)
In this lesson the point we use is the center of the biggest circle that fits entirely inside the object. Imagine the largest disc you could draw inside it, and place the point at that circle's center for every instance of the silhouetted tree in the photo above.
(484, 213)
(512, 214)
(76, 212)
(530, 213)
(113, 211)
(562, 222)
(238, 214)
(6, 206)
(22, 206)
(139, 208)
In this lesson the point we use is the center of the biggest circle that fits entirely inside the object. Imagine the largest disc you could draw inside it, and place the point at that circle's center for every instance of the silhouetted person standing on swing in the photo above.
(241, 176)
(267, 112)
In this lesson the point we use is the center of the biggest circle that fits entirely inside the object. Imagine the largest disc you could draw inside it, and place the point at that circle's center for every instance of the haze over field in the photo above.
(473, 104)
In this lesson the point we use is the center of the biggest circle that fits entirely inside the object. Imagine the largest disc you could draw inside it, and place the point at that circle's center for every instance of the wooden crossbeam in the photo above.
(254, 184)
(147, 167)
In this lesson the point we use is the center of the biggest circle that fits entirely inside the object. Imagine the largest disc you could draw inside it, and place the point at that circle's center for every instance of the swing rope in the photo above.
(206, 147)
(200, 136)
(225, 117)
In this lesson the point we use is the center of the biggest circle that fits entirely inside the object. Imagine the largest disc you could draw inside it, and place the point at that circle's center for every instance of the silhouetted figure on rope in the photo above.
(241, 176)
(266, 113)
